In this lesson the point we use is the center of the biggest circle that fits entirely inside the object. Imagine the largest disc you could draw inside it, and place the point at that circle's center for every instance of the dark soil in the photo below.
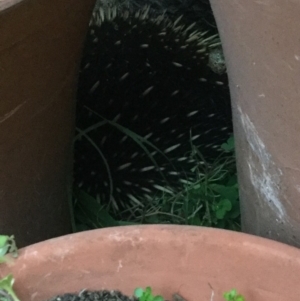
(85, 295)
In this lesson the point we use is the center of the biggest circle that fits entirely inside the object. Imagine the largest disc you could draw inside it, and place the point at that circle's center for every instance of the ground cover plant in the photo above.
(7, 245)
(210, 200)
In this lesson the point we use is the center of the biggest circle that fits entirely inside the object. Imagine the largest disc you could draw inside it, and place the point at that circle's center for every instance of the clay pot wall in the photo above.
(40, 47)
(262, 50)
(172, 259)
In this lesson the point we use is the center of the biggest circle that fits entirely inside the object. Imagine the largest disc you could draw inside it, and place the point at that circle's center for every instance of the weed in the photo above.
(6, 289)
(211, 199)
(7, 245)
(233, 295)
(146, 294)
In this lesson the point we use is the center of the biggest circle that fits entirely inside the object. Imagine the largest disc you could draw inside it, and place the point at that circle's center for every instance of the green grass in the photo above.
(210, 199)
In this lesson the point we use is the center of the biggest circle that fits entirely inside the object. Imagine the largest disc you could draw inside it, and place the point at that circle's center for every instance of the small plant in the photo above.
(210, 198)
(7, 245)
(233, 295)
(6, 289)
(146, 294)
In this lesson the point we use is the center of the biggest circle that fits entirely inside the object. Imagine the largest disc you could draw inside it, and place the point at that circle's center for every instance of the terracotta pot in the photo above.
(40, 47)
(261, 46)
(171, 259)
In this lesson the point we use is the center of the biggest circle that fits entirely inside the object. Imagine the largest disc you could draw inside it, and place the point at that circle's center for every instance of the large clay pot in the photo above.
(262, 50)
(40, 47)
(170, 259)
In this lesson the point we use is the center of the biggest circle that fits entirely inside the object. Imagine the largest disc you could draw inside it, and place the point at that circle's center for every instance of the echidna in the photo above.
(151, 85)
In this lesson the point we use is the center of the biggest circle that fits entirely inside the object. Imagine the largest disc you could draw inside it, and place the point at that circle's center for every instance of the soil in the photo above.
(103, 295)
(85, 295)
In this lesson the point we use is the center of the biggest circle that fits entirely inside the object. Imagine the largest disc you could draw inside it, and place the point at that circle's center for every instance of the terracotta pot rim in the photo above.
(212, 236)
(170, 258)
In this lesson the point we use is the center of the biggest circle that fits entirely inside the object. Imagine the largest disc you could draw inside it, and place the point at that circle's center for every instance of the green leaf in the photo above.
(226, 204)
(220, 214)
(229, 145)
(138, 292)
(6, 288)
(226, 192)
(235, 211)
(146, 295)
(148, 292)
(223, 207)
(232, 295)
(158, 298)
(7, 245)
(3, 241)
